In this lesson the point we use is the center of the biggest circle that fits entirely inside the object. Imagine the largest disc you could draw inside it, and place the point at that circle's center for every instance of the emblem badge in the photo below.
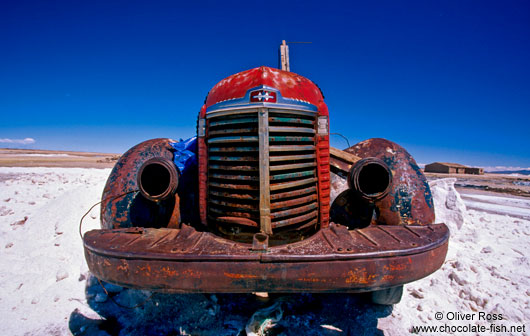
(263, 96)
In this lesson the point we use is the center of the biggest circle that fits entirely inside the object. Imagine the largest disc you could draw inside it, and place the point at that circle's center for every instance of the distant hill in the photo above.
(522, 172)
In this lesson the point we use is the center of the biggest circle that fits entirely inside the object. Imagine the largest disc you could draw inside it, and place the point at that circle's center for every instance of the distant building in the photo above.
(475, 171)
(452, 168)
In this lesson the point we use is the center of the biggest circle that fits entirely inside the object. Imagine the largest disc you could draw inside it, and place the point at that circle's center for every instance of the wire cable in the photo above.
(342, 137)
(99, 281)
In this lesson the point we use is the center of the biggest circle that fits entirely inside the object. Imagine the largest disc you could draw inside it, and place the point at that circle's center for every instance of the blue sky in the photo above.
(448, 80)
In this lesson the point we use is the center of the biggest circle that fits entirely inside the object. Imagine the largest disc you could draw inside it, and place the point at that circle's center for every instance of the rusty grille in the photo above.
(293, 176)
(233, 172)
(234, 168)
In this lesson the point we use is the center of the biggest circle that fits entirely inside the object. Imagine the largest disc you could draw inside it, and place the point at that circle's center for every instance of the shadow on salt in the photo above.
(225, 314)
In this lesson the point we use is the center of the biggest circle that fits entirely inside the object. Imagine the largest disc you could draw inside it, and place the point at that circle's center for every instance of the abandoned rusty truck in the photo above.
(245, 206)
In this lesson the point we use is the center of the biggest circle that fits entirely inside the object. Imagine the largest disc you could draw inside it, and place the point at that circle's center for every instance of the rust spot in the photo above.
(192, 273)
(146, 270)
(311, 280)
(240, 276)
(359, 277)
(169, 272)
(394, 267)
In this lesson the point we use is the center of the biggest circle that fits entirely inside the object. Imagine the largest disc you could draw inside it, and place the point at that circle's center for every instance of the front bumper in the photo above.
(335, 259)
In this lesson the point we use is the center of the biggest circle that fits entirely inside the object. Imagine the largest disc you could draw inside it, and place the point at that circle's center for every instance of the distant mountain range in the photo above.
(522, 172)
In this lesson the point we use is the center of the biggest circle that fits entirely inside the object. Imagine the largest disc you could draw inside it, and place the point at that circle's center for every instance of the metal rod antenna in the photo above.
(284, 56)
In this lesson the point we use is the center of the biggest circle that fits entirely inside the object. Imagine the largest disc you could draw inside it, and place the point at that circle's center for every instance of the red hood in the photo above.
(289, 84)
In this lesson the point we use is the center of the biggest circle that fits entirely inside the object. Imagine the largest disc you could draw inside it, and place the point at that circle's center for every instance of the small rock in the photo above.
(415, 293)
(487, 249)
(453, 276)
(9, 245)
(458, 265)
(35, 301)
(5, 211)
(20, 222)
(61, 275)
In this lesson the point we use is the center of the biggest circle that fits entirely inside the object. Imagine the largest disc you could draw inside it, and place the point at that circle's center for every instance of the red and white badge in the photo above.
(263, 96)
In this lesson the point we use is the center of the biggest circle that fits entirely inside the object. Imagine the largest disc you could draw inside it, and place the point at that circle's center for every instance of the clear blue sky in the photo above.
(448, 80)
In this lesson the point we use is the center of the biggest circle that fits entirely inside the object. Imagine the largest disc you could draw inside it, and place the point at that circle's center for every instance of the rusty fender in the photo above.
(122, 207)
(409, 199)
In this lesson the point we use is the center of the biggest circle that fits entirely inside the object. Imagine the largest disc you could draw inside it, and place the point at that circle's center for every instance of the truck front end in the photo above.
(245, 207)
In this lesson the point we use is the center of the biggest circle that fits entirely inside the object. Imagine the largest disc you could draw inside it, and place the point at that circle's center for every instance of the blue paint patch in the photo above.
(427, 193)
(402, 203)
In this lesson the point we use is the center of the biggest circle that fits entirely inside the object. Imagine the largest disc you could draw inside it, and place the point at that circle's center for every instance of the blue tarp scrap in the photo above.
(185, 154)
(185, 159)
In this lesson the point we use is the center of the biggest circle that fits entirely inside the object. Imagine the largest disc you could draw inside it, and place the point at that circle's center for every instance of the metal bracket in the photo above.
(260, 242)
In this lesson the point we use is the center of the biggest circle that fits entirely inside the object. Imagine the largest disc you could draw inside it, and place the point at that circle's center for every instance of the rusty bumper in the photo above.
(333, 260)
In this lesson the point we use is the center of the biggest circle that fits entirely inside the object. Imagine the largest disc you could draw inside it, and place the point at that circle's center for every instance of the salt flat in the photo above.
(45, 286)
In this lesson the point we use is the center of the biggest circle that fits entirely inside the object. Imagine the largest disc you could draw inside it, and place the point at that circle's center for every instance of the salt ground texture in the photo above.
(45, 286)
